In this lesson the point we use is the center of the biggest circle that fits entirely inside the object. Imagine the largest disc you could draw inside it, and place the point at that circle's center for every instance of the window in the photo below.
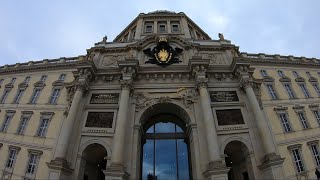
(133, 33)
(317, 115)
(165, 147)
(6, 122)
(264, 73)
(23, 124)
(285, 122)
(316, 88)
(304, 90)
(43, 78)
(316, 154)
(295, 74)
(297, 160)
(175, 27)
(13, 80)
(27, 79)
(18, 96)
(62, 77)
(35, 95)
(303, 120)
(4, 95)
(280, 73)
(149, 27)
(308, 74)
(162, 27)
(11, 158)
(272, 92)
(43, 127)
(1, 81)
(289, 91)
(54, 96)
(32, 163)
(318, 73)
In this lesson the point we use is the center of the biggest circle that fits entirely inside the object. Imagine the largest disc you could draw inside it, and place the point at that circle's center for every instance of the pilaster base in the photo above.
(59, 169)
(116, 172)
(271, 167)
(216, 171)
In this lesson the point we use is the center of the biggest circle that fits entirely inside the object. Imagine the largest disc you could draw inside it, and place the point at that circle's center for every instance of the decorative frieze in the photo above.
(223, 96)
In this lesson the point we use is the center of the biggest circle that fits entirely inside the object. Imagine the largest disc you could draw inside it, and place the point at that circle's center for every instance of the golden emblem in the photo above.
(163, 55)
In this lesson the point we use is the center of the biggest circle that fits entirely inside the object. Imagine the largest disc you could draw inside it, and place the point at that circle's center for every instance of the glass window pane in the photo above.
(163, 127)
(178, 129)
(166, 164)
(147, 162)
(150, 130)
(183, 163)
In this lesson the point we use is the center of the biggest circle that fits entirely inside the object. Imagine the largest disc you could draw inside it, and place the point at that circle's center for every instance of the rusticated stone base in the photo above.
(271, 167)
(216, 171)
(116, 172)
(59, 169)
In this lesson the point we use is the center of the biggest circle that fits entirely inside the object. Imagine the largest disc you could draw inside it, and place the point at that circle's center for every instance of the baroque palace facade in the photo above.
(162, 101)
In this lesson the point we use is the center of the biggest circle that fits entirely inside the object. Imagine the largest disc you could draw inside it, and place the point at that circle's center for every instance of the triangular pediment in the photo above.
(313, 79)
(268, 79)
(285, 79)
(300, 79)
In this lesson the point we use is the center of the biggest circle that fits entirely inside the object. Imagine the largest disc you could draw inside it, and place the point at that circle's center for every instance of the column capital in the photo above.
(201, 83)
(126, 84)
(246, 82)
(82, 85)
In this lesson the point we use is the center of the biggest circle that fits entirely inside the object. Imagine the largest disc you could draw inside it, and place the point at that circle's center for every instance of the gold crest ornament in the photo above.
(163, 55)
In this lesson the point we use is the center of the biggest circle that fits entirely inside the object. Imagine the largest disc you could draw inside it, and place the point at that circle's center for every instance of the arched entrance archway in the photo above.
(238, 158)
(165, 144)
(95, 162)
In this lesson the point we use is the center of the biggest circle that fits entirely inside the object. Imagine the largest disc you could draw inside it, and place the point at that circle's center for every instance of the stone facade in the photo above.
(252, 116)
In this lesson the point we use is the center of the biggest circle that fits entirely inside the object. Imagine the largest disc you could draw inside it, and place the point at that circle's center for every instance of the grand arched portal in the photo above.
(165, 151)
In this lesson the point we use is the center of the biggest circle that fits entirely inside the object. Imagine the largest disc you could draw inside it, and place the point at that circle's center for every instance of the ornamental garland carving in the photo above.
(216, 58)
(242, 71)
(186, 96)
(112, 60)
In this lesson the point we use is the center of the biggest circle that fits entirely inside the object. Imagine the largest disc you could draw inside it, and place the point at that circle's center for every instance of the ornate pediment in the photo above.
(285, 79)
(9, 86)
(40, 84)
(300, 79)
(23, 85)
(58, 83)
(268, 79)
(313, 80)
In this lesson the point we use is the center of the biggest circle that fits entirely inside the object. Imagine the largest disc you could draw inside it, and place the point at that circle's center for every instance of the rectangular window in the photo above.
(35, 95)
(23, 124)
(175, 28)
(308, 74)
(13, 80)
(316, 154)
(27, 79)
(285, 122)
(32, 163)
(289, 91)
(316, 88)
(5, 123)
(317, 115)
(54, 96)
(264, 73)
(162, 28)
(303, 120)
(1, 81)
(43, 127)
(297, 160)
(280, 73)
(18, 96)
(295, 74)
(4, 95)
(43, 78)
(272, 92)
(304, 90)
(149, 27)
(11, 158)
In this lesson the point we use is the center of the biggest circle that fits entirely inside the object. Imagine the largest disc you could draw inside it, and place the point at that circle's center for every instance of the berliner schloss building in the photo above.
(162, 101)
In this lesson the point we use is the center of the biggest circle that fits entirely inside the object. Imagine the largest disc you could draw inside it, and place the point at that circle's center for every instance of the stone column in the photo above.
(216, 169)
(272, 162)
(59, 167)
(117, 169)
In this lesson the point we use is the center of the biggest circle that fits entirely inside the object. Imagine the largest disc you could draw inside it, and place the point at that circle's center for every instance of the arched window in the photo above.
(165, 151)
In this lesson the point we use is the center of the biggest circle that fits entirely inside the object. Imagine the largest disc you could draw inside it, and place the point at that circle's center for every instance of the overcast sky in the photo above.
(37, 29)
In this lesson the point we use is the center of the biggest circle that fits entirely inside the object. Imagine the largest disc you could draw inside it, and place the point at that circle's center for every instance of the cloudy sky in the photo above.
(37, 29)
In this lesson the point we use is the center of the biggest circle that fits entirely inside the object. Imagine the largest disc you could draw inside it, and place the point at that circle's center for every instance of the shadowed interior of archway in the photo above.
(95, 162)
(238, 159)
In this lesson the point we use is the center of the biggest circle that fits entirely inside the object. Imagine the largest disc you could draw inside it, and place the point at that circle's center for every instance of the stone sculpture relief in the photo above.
(187, 96)
(215, 58)
(111, 60)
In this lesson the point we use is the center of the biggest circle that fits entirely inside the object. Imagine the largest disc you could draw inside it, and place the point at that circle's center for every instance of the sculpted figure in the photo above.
(221, 37)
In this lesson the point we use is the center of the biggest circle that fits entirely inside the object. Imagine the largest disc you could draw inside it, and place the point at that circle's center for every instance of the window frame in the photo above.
(33, 98)
(304, 89)
(18, 96)
(295, 74)
(314, 146)
(280, 73)
(164, 24)
(286, 125)
(291, 94)
(6, 121)
(12, 159)
(26, 115)
(27, 79)
(13, 80)
(272, 92)
(316, 88)
(34, 165)
(303, 120)
(44, 116)
(146, 25)
(56, 96)
(43, 78)
(5, 95)
(62, 75)
(263, 73)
